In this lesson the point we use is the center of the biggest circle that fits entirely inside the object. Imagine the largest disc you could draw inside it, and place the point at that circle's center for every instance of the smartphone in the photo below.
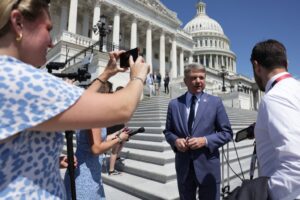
(124, 57)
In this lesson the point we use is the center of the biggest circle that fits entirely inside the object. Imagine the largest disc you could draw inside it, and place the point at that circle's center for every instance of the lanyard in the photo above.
(280, 78)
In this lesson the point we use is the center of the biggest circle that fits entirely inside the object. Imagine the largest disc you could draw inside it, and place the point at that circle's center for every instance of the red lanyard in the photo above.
(280, 78)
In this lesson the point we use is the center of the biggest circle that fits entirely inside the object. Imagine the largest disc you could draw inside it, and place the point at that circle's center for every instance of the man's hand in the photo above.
(196, 142)
(181, 144)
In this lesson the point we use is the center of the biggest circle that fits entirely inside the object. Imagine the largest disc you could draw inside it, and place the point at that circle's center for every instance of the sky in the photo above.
(246, 22)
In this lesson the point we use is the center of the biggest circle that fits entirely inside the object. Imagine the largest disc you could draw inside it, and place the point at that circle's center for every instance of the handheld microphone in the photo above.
(140, 130)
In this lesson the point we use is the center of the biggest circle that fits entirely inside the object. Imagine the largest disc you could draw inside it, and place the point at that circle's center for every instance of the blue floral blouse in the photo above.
(29, 160)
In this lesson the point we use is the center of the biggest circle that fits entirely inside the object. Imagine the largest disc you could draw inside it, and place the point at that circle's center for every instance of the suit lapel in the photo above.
(202, 106)
(182, 113)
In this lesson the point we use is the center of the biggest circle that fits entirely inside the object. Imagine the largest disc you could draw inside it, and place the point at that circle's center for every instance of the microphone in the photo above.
(140, 130)
(246, 133)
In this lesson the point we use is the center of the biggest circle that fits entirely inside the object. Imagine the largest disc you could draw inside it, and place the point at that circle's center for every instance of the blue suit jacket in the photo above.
(212, 122)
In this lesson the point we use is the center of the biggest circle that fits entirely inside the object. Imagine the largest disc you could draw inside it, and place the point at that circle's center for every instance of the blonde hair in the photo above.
(30, 9)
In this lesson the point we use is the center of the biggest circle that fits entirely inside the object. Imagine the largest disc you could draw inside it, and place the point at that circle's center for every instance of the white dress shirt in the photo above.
(277, 134)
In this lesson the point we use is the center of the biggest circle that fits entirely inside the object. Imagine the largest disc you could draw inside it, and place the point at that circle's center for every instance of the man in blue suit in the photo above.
(195, 139)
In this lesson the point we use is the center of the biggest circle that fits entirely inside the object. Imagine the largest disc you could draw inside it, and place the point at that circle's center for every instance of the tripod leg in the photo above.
(70, 152)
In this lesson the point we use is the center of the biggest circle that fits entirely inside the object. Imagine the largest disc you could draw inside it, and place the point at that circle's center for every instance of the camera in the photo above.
(124, 57)
(246, 133)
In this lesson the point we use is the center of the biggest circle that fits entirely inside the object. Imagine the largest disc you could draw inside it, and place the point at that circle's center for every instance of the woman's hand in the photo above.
(112, 67)
(63, 161)
(138, 68)
(124, 134)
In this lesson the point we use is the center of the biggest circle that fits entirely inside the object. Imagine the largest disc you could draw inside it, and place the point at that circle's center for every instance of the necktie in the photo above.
(192, 114)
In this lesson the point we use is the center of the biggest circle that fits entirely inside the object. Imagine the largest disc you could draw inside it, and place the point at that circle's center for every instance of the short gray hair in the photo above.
(191, 66)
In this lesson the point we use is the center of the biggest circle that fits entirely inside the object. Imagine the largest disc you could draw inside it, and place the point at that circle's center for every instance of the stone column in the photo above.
(216, 62)
(190, 57)
(96, 18)
(198, 59)
(234, 66)
(210, 60)
(149, 47)
(204, 61)
(73, 16)
(162, 51)
(222, 61)
(181, 61)
(133, 36)
(63, 17)
(228, 65)
(251, 99)
(85, 25)
(174, 58)
(116, 30)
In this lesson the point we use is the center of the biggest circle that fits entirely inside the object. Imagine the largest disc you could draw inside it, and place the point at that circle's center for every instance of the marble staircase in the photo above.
(148, 169)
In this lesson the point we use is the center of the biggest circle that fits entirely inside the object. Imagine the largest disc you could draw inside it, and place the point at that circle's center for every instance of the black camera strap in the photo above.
(253, 162)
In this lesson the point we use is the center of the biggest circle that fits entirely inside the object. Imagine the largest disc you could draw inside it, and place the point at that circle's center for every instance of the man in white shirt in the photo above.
(277, 130)
(149, 83)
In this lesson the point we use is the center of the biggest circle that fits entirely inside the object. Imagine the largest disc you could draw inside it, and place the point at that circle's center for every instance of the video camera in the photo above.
(246, 133)
(81, 75)
(82, 72)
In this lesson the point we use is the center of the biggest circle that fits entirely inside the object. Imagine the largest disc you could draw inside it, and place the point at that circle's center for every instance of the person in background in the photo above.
(158, 77)
(91, 144)
(166, 83)
(36, 106)
(196, 126)
(277, 129)
(115, 151)
(149, 83)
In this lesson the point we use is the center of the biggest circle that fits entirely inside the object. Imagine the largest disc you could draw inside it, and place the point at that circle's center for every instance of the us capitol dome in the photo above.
(211, 46)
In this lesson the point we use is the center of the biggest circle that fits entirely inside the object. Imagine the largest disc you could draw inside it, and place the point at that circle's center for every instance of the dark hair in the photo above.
(270, 54)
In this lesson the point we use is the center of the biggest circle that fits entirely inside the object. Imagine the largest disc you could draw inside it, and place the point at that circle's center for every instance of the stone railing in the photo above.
(73, 38)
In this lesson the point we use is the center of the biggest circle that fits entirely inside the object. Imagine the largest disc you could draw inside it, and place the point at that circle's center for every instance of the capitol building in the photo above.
(82, 39)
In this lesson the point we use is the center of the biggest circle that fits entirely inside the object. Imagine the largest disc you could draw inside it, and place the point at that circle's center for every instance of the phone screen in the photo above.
(124, 57)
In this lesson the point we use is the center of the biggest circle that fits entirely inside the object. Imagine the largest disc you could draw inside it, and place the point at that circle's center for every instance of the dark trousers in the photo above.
(188, 188)
(167, 88)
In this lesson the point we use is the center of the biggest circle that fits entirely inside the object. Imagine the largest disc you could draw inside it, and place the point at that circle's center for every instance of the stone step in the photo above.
(148, 137)
(159, 158)
(150, 112)
(143, 188)
(146, 123)
(150, 130)
(146, 145)
(144, 117)
(159, 173)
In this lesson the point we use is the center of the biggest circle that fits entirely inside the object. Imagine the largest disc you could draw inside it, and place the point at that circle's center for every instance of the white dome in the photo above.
(202, 22)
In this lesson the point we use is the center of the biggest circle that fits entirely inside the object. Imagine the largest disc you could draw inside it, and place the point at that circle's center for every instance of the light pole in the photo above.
(223, 73)
(102, 29)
